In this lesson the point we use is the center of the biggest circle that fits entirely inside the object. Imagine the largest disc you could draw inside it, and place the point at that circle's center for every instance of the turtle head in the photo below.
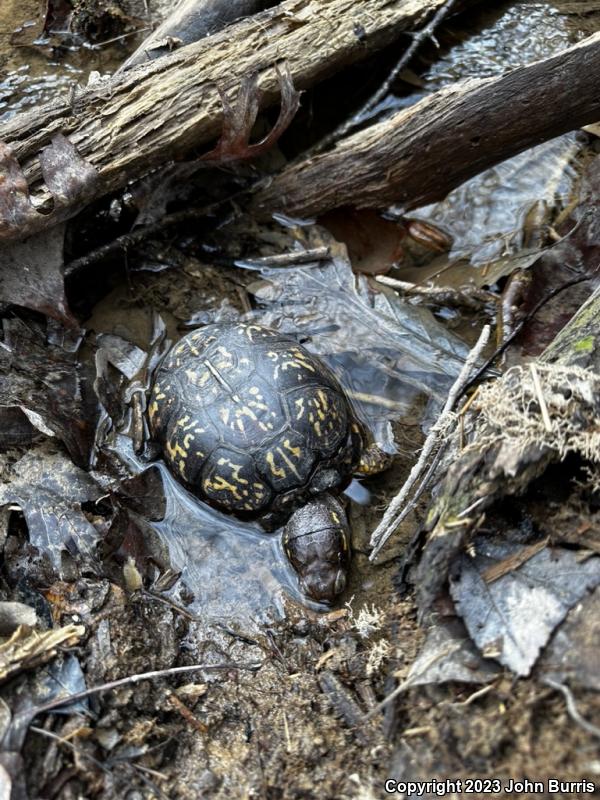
(316, 541)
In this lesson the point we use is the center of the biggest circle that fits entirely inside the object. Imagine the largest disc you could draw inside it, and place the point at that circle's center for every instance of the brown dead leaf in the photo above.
(32, 275)
(67, 175)
(374, 244)
(239, 118)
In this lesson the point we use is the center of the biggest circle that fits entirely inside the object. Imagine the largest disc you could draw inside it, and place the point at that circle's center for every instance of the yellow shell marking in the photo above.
(174, 450)
(278, 472)
(295, 451)
(235, 470)
(219, 484)
(300, 406)
(288, 462)
(250, 330)
(152, 410)
(256, 404)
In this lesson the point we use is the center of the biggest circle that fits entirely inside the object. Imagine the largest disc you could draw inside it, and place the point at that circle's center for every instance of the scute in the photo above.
(286, 462)
(229, 480)
(320, 416)
(252, 416)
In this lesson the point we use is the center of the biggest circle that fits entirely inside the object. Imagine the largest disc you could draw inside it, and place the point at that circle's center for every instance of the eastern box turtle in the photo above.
(252, 423)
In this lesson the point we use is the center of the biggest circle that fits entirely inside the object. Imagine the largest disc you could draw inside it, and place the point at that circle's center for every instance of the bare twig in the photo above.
(359, 116)
(527, 318)
(572, 707)
(98, 764)
(465, 296)
(540, 397)
(390, 519)
(287, 259)
(129, 679)
(475, 696)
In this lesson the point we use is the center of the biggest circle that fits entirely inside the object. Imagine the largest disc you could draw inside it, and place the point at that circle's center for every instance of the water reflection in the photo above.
(234, 570)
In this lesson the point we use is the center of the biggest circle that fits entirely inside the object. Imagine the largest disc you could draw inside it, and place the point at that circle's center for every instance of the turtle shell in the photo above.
(250, 421)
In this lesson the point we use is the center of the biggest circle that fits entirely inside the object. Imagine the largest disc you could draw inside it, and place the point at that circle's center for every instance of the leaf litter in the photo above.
(119, 365)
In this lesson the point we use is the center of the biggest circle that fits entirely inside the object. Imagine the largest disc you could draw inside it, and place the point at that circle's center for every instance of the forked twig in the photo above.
(359, 116)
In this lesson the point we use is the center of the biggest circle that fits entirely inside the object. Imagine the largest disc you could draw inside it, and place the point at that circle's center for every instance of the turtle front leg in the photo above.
(373, 460)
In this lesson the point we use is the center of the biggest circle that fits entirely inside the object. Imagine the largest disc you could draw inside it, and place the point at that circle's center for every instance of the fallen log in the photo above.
(149, 115)
(418, 155)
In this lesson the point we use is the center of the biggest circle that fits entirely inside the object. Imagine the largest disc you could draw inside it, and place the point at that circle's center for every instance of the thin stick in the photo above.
(406, 684)
(141, 676)
(469, 296)
(359, 116)
(98, 764)
(287, 259)
(537, 385)
(388, 524)
(572, 707)
(137, 236)
(527, 318)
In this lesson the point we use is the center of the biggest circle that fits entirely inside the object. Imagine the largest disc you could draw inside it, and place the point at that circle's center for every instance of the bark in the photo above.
(149, 115)
(418, 155)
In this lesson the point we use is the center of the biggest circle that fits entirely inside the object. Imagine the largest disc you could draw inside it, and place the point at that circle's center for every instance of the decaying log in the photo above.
(146, 116)
(421, 153)
(484, 472)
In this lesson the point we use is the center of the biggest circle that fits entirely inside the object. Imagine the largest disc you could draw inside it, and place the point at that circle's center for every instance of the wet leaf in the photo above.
(31, 274)
(144, 494)
(512, 618)
(122, 354)
(572, 655)
(50, 490)
(41, 374)
(239, 118)
(27, 648)
(371, 338)
(68, 177)
(449, 655)
(577, 254)
(57, 16)
(62, 678)
(374, 244)
(15, 428)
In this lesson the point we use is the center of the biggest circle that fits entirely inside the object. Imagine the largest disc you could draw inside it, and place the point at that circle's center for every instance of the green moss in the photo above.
(585, 345)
